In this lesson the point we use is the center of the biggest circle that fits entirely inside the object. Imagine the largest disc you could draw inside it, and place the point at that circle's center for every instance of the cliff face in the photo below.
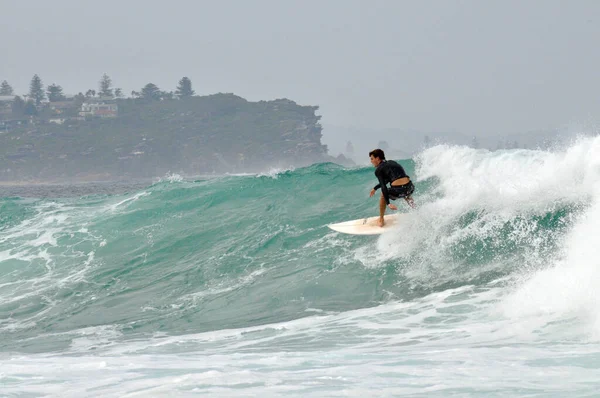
(213, 134)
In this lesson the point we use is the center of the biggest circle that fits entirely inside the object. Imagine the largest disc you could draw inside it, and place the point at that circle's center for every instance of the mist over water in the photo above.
(234, 286)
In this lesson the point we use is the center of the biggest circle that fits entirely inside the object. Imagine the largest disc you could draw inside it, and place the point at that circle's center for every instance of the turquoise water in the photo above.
(234, 286)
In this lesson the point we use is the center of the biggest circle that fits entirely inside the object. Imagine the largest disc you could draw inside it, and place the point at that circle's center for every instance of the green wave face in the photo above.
(183, 255)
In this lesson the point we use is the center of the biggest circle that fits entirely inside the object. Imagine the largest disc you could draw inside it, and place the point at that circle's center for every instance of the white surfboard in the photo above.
(367, 226)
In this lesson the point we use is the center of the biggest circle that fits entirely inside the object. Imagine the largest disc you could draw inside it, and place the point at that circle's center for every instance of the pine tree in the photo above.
(105, 86)
(6, 89)
(18, 107)
(151, 92)
(118, 93)
(184, 89)
(36, 90)
(55, 93)
(30, 108)
(79, 99)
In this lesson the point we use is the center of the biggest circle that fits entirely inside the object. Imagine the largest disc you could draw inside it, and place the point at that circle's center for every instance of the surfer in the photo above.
(388, 171)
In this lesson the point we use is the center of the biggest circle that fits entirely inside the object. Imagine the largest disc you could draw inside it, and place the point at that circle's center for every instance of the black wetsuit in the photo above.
(387, 172)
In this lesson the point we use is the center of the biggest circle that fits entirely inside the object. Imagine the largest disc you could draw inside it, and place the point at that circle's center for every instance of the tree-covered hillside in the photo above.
(209, 134)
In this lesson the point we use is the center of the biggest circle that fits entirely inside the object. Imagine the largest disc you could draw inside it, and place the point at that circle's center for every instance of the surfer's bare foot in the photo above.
(380, 222)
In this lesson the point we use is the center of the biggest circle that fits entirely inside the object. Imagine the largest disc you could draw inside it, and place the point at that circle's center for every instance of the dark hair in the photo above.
(377, 153)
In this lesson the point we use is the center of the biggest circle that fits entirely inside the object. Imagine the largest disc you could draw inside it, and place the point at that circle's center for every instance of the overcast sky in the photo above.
(480, 67)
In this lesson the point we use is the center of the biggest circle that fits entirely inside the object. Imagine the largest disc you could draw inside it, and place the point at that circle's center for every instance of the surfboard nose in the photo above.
(367, 226)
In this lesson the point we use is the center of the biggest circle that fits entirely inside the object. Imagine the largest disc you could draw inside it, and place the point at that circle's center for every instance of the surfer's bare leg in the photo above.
(410, 201)
(382, 207)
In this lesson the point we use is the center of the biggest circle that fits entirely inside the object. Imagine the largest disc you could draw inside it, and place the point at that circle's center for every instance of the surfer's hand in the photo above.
(393, 206)
(372, 193)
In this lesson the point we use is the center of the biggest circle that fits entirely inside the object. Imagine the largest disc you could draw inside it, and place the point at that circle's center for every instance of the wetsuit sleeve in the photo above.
(384, 189)
(376, 187)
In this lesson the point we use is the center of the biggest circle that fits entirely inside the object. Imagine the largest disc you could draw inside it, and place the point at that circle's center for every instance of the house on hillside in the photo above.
(6, 105)
(99, 107)
(60, 107)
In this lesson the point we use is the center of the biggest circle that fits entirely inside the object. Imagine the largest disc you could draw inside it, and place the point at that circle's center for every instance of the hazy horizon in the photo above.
(483, 68)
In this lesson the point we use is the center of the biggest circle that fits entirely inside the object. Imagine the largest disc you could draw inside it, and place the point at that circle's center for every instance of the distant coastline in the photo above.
(47, 136)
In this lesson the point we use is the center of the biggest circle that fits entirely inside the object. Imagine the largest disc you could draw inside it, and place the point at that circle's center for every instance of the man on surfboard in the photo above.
(388, 171)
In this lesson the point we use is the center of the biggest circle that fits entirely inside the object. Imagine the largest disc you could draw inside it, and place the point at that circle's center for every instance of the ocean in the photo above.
(233, 286)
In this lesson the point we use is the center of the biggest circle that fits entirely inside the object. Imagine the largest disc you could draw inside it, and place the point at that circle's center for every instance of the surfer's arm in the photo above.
(374, 189)
(383, 187)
